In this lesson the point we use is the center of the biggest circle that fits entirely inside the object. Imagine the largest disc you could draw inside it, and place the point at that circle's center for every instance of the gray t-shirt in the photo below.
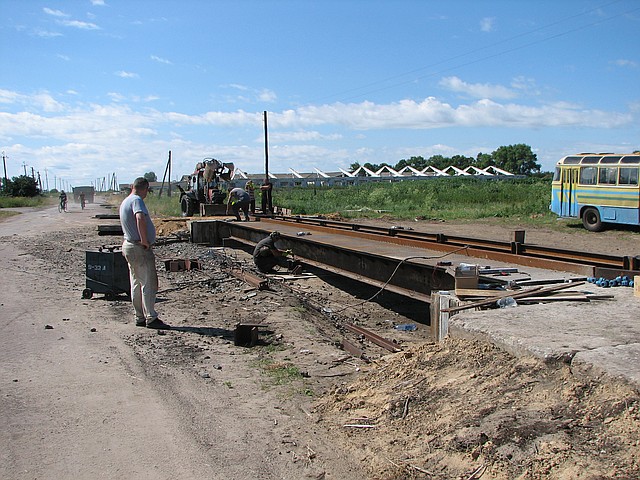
(128, 208)
(239, 194)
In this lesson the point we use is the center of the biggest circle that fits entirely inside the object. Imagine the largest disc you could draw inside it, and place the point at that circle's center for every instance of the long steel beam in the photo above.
(551, 258)
(410, 278)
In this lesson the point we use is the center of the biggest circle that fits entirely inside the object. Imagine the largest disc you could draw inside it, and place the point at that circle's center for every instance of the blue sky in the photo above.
(94, 87)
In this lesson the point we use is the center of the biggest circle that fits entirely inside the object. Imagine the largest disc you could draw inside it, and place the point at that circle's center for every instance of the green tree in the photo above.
(416, 162)
(484, 160)
(439, 162)
(518, 159)
(151, 177)
(461, 161)
(22, 186)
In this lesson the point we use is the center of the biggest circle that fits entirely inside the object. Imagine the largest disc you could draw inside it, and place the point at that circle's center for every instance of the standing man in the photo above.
(139, 237)
(251, 190)
(267, 201)
(238, 200)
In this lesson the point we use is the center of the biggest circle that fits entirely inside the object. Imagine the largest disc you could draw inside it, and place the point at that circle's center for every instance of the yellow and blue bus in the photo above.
(598, 188)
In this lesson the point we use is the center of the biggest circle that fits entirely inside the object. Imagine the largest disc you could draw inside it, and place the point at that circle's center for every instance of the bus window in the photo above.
(556, 175)
(572, 160)
(633, 159)
(588, 175)
(590, 160)
(608, 175)
(628, 176)
(610, 159)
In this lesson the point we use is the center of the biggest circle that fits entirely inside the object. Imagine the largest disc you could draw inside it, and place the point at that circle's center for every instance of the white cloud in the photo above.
(432, 113)
(98, 3)
(79, 24)
(63, 57)
(250, 95)
(55, 13)
(477, 90)
(267, 96)
(625, 63)
(87, 135)
(302, 136)
(123, 74)
(486, 24)
(160, 60)
(38, 101)
(39, 32)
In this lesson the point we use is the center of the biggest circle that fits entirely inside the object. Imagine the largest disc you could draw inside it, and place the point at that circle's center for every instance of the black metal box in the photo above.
(106, 272)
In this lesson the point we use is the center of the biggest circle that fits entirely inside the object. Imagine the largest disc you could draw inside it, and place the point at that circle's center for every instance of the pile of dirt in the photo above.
(465, 409)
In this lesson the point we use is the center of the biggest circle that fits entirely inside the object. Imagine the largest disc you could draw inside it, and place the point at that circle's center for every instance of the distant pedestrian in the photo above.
(137, 248)
(250, 188)
(267, 201)
(238, 200)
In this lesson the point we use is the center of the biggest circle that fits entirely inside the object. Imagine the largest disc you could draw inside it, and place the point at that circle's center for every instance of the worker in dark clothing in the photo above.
(238, 200)
(266, 256)
(267, 201)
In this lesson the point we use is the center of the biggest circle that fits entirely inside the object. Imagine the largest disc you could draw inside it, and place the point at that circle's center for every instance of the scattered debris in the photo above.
(181, 265)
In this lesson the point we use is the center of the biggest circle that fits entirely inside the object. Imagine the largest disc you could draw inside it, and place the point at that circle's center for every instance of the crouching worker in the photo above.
(238, 200)
(266, 256)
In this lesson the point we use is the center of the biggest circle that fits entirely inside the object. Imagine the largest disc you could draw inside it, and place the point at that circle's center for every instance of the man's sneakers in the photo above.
(156, 323)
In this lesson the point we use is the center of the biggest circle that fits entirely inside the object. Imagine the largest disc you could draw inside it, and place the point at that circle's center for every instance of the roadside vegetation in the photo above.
(453, 198)
(437, 198)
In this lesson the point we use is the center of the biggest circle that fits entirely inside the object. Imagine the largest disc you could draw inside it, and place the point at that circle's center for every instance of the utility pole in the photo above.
(46, 178)
(266, 148)
(4, 162)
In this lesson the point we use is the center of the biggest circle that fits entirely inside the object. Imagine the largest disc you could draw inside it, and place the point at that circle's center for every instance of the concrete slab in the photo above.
(603, 335)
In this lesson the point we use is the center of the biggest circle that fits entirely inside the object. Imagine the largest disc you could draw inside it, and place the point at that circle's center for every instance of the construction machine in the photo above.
(204, 193)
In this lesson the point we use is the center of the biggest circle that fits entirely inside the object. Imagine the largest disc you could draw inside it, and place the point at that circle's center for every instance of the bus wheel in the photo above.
(591, 220)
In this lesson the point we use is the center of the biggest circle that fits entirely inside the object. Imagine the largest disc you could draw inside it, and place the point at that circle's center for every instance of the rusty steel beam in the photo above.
(353, 350)
(251, 279)
(551, 258)
(373, 337)
(409, 278)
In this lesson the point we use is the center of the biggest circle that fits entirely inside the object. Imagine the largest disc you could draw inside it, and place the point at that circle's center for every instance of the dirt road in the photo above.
(85, 394)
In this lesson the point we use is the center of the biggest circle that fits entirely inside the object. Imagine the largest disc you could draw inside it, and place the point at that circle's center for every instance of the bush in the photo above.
(22, 186)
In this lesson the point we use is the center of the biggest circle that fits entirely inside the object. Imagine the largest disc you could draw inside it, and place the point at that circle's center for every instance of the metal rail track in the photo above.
(514, 252)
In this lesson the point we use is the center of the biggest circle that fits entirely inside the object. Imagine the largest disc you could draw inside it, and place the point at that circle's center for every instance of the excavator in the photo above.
(204, 193)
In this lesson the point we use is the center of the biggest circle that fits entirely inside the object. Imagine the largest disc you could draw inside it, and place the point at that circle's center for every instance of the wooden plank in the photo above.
(527, 293)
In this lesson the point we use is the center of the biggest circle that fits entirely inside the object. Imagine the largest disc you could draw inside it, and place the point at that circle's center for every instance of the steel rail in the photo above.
(522, 253)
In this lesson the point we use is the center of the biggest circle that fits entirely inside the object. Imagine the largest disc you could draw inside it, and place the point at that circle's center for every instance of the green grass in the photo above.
(163, 206)
(12, 202)
(280, 373)
(440, 198)
(446, 199)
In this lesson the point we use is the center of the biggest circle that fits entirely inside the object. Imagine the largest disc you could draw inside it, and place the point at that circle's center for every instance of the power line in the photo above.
(455, 57)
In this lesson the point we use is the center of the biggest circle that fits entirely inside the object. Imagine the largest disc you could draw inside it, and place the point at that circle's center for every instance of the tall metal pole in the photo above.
(266, 148)
(4, 162)
(169, 173)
